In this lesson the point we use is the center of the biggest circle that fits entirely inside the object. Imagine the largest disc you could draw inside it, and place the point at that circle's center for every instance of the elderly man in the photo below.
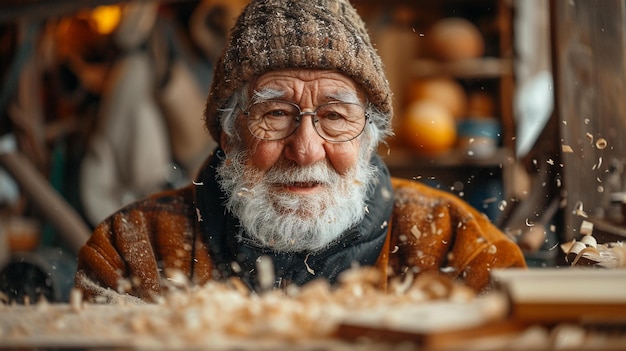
(298, 103)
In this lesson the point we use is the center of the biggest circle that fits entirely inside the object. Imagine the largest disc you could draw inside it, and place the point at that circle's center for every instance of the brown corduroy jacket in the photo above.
(429, 230)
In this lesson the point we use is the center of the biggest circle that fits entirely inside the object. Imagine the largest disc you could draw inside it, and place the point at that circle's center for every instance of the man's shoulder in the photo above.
(175, 201)
(176, 205)
(167, 211)
(412, 188)
(411, 195)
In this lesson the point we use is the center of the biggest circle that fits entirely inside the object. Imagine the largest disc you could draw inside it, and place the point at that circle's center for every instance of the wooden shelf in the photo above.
(400, 158)
(486, 67)
(400, 28)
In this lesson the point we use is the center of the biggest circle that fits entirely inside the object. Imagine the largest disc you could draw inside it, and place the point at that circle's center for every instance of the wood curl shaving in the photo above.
(587, 252)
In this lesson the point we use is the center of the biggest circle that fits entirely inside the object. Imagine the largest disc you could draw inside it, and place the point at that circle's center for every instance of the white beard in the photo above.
(288, 222)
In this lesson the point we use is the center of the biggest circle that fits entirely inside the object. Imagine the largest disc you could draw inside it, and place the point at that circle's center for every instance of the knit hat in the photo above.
(279, 34)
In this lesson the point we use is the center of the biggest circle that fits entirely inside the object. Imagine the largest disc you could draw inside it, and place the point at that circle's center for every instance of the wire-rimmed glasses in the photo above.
(334, 121)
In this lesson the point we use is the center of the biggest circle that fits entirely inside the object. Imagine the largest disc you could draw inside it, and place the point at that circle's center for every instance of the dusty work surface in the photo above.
(160, 327)
(218, 316)
(427, 313)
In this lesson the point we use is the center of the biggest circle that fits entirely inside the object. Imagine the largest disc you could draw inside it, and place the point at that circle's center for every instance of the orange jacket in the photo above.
(429, 231)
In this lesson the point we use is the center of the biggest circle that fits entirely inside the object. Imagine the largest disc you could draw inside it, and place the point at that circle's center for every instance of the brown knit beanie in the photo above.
(317, 34)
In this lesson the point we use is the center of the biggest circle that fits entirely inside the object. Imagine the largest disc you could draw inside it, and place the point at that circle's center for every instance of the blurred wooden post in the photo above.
(589, 44)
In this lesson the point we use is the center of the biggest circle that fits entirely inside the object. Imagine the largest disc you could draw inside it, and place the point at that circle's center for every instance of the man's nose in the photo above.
(305, 146)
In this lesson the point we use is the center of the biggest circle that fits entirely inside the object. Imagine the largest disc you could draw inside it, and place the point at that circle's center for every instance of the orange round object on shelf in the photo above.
(455, 38)
(428, 128)
(446, 91)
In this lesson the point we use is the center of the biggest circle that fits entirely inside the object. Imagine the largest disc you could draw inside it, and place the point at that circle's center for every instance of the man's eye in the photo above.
(277, 113)
(333, 116)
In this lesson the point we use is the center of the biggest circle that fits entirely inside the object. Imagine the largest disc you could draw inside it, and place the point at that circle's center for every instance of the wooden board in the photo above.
(556, 295)
(437, 324)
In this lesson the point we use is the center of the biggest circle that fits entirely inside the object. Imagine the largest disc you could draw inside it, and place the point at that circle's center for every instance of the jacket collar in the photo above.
(360, 245)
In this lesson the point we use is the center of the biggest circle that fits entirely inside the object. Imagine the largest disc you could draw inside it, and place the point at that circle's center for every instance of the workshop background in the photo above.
(515, 106)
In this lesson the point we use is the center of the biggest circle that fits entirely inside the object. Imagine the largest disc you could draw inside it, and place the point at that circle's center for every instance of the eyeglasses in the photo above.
(333, 121)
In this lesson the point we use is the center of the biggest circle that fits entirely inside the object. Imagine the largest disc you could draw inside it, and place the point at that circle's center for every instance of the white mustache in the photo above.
(319, 173)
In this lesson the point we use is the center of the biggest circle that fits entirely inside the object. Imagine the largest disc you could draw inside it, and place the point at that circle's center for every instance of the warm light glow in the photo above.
(106, 18)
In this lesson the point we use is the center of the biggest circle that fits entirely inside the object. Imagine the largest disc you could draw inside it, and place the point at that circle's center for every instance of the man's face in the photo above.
(301, 192)
(308, 89)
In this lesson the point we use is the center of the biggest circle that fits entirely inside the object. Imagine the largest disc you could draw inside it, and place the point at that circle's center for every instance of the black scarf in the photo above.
(360, 245)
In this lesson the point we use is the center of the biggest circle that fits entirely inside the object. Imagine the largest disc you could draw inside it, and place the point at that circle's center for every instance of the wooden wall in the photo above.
(589, 42)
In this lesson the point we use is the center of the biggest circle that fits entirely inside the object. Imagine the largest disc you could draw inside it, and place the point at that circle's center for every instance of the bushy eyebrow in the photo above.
(265, 94)
(345, 96)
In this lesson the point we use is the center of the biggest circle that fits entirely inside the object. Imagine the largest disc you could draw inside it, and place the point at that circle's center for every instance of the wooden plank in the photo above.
(554, 295)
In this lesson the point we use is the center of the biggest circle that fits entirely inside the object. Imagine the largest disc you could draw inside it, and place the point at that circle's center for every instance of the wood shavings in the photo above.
(568, 336)
(225, 315)
(384, 225)
(578, 210)
(238, 286)
(502, 205)
(176, 277)
(586, 228)
(490, 200)
(416, 232)
(588, 252)
(124, 285)
(76, 299)
(619, 253)
(236, 268)
(308, 269)
(438, 287)
(265, 266)
(447, 269)
(589, 241)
